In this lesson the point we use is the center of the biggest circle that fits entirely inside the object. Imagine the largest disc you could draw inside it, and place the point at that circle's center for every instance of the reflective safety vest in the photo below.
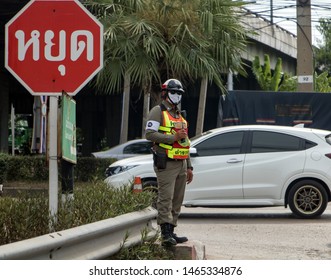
(170, 125)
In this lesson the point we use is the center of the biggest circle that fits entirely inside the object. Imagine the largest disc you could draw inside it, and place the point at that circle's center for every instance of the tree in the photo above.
(153, 40)
(322, 80)
(267, 79)
(131, 50)
(323, 51)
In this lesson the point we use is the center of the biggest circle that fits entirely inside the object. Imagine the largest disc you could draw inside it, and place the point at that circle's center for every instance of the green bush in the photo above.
(26, 215)
(147, 250)
(3, 167)
(23, 217)
(35, 168)
(27, 168)
(88, 169)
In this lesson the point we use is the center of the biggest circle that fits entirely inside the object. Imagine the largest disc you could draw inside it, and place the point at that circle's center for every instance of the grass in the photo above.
(25, 215)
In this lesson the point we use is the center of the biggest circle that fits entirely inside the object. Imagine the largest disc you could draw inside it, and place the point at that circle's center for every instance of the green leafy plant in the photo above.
(323, 82)
(149, 249)
(268, 80)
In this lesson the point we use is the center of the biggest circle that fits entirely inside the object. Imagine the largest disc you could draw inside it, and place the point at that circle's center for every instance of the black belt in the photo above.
(175, 159)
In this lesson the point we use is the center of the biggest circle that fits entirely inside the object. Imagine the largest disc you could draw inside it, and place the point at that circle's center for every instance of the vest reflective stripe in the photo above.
(177, 150)
(165, 129)
(166, 146)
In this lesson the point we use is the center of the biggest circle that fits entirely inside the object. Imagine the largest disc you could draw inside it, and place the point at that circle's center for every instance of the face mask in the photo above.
(175, 98)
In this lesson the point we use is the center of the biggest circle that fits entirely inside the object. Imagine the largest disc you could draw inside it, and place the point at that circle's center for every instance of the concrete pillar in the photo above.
(305, 68)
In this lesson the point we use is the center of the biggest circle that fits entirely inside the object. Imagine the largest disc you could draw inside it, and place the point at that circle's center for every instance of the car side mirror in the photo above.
(193, 152)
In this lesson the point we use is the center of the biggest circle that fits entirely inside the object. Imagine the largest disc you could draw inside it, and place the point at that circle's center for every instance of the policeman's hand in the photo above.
(180, 134)
(189, 176)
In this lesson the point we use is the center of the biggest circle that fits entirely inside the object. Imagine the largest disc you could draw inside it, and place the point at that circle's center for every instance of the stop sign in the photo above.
(54, 46)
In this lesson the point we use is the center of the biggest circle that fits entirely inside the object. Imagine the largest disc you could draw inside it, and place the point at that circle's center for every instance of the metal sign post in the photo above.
(53, 167)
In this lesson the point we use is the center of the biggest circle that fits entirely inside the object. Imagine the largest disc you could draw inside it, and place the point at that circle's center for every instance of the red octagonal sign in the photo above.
(54, 46)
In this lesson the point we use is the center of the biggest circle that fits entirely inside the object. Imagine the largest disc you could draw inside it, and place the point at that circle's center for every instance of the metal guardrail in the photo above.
(90, 242)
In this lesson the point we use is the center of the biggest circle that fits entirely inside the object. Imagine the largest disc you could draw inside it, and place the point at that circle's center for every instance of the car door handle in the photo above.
(234, 160)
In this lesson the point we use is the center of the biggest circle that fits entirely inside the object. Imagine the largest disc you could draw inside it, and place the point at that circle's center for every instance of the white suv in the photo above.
(249, 166)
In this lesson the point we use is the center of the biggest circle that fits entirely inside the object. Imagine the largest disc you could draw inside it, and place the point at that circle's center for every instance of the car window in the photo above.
(138, 148)
(309, 144)
(222, 144)
(328, 139)
(266, 142)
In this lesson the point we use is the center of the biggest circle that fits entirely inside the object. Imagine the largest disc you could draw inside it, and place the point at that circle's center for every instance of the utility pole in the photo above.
(272, 12)
(304, 47)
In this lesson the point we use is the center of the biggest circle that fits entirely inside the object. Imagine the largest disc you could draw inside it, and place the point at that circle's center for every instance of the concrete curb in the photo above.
(191, 250)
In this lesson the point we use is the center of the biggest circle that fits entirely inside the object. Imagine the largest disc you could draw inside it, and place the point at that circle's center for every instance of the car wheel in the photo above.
(151, 185)
(308, 199)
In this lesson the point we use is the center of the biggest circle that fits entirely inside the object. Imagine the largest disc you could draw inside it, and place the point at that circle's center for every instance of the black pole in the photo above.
(67, 170)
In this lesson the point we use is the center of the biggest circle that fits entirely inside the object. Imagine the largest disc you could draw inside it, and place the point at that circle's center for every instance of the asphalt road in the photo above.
(271, 233)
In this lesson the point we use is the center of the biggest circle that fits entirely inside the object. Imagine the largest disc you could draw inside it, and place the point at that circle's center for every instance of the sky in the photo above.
(284, 13)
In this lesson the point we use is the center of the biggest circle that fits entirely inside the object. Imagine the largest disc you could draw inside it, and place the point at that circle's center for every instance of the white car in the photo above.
(128, 149)
(249, 166)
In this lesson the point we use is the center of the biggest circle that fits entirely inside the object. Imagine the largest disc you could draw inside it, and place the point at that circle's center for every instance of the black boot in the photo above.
(167, 238)
(177, 238)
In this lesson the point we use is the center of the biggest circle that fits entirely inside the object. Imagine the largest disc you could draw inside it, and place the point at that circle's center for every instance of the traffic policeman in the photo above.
(168, 129)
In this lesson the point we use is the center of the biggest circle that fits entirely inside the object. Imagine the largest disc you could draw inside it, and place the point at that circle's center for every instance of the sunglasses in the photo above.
(176, 91)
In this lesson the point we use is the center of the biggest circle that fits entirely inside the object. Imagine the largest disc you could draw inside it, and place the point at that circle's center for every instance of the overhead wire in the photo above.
(284, 13)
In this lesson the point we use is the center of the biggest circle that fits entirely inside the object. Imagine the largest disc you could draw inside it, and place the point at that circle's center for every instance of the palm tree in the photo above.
(133, 47)
(220, 22)
(152, 40)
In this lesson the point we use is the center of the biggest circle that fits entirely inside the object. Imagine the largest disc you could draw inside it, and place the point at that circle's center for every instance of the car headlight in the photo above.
(114, 170)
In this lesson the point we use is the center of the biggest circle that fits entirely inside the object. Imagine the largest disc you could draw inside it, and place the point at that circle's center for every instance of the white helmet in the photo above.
(172, 89)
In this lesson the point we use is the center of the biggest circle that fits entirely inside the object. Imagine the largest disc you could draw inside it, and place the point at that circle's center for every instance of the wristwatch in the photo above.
(190, 168)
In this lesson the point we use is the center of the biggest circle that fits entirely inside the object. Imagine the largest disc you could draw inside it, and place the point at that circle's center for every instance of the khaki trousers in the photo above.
(171, 187)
